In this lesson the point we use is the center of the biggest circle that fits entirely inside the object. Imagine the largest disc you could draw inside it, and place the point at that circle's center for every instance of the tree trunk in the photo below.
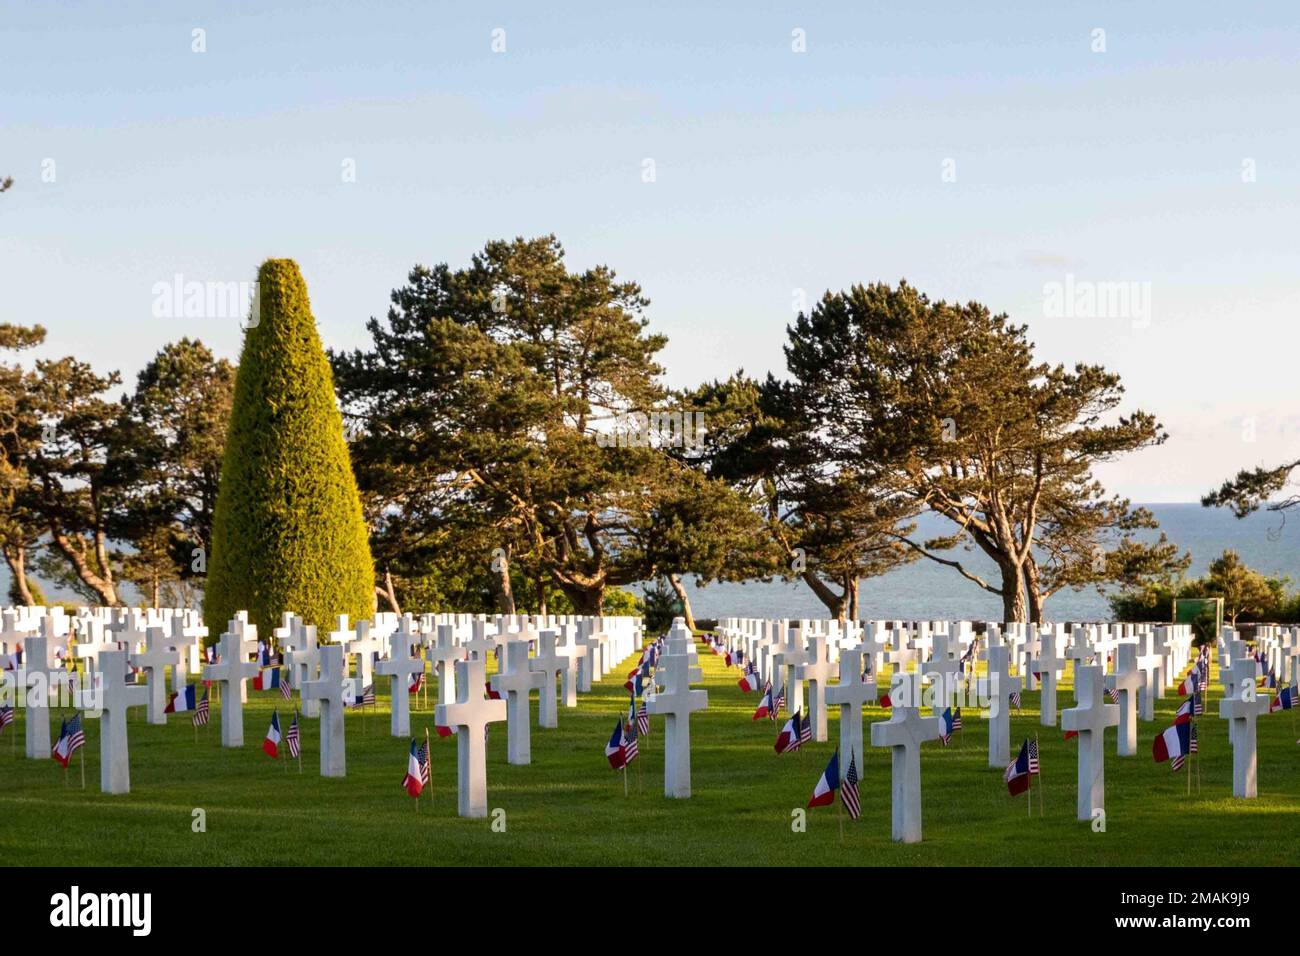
(1013, 593)
(101, 584)
(541, 592)
(589, 599)
(851, 585)
(834, 602)
(679, 589)
(16, 558)
(502, 592)
(389, 592)
(1034, 593)
(157, 591)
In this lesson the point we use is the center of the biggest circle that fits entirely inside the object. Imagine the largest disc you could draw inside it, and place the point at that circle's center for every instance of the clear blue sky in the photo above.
(776, 171)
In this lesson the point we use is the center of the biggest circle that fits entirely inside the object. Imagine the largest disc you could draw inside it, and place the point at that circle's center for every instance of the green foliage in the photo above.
(477, 409)
(935, 406)
(1248, 595)
(288, 532)
(1253, 488)
(661, 606)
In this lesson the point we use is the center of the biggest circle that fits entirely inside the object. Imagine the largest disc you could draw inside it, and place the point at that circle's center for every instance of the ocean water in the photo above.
(926, 590)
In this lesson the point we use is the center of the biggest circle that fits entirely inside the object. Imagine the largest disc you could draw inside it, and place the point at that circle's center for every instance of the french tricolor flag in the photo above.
(749, 682)
(614, 751)
(271, 745)
(1172, 744)
(1189, 684)
(414, 779)
(788, 739)
(824, 793)
(765, 705)
(181, 701)
(268, 679)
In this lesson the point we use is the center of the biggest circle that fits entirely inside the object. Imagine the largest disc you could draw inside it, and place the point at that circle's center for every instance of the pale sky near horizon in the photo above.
(775, 171)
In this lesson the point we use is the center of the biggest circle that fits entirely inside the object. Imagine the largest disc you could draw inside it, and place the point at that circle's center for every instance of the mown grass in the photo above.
(568, 807)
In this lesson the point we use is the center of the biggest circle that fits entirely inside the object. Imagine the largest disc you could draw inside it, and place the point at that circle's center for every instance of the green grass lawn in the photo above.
(568, 807)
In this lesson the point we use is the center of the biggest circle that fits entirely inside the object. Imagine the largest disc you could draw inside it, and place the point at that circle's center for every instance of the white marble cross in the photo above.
(181, 640)
(1161, 646)
(1047, 665)
(303, 660)
(1149, 666)
(117, 696)
(327, 691)
(37, 692)
(443, 655)
(1241, 709)
(481, 643)
(573, 652)
(233, 670)
(850, 694)
(548, 664)
(942, 669)
(158, 653)
(400, 666)
(904, 733)
(516, 680)
(785, 658)
(96, 643)
(589, 663)
(469, 716)
(1081, 651)
(1089, 719)
(364, 648)
(677, 701)
(874, 645)
(817, 672)
(1001, 686)
(1126, 682)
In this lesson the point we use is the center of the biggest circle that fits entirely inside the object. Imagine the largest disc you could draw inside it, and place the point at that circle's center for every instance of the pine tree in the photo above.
(288, 533)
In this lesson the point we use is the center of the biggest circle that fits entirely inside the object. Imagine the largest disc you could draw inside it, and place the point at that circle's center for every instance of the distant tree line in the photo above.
(482, 420)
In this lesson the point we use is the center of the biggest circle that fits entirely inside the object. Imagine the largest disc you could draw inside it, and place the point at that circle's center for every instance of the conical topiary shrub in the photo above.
(287, 532)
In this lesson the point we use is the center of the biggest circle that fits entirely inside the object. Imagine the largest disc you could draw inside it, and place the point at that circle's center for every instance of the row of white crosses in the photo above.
(791, 653)
(1146, 659)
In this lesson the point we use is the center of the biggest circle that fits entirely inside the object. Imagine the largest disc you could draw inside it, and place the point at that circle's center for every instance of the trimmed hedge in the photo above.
(287, 532)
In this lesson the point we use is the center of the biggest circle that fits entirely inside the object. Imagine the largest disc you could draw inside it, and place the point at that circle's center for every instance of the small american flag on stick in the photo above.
(201, 713)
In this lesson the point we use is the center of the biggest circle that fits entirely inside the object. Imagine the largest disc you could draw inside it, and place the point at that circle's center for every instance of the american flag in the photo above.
(849, 789)
(6, 716)
(956, 719)
(286, 690)
(630, 749)
(291, 738)
(1113, 695)
(1015, 699)
(71, 737)
(780, 702)
(1191, 740)
(805, 730)
(423, 756)
(642, 720)
(201, 713)
(367, 696)
(1033, 755)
